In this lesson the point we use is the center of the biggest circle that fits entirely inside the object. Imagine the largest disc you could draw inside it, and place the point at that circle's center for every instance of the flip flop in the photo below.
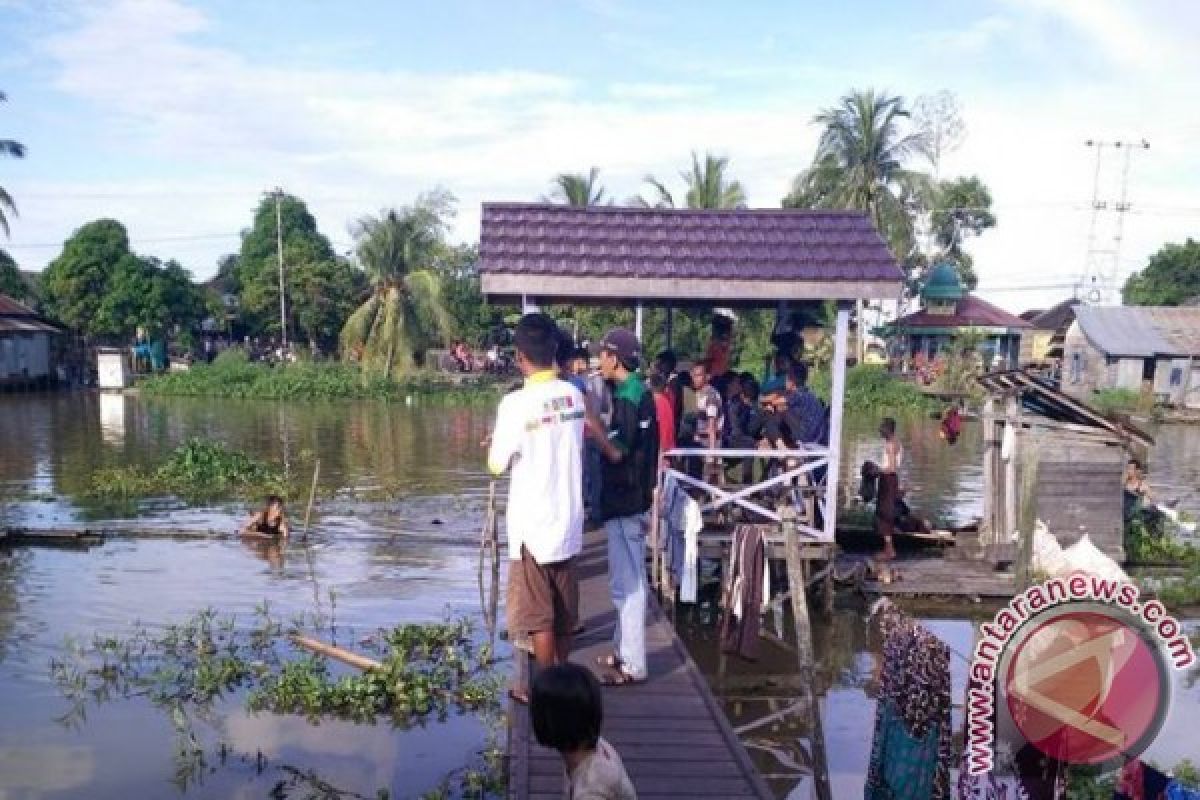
(619, 677)
(611, 661)
(518, 696)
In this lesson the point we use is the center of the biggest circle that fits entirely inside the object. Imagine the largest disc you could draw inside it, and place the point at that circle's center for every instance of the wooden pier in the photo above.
(670, 731)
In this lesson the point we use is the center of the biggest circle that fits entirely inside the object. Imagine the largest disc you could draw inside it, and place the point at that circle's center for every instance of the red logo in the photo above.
(1086, 685)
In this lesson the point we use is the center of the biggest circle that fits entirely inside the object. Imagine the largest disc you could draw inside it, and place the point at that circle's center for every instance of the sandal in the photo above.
(619, 677)
(518, 696)
(612, 661)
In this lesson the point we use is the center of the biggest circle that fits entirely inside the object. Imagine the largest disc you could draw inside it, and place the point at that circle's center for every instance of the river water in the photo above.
(394, 541)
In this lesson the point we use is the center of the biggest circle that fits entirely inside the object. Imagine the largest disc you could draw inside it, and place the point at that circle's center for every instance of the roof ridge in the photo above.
(607, 209)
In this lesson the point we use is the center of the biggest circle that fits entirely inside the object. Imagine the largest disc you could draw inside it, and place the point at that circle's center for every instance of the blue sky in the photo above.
(174, 116)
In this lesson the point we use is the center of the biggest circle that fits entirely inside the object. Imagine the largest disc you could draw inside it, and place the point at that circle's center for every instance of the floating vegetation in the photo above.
(196, 470)
(425, 672)
(232, 375)
(873, 388)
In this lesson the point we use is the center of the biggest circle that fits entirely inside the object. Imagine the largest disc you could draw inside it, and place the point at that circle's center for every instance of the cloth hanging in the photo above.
(912, 748)
(747, 589)
(1177, 791)
(683, 523)
(1030, 775)
(1138, 781)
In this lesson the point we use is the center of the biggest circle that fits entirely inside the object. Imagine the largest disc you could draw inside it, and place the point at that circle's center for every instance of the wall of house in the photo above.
(24, 356)
(1126, 373)
(1171, 380)
(1078, 490)
(1085, 368)
(1034, 346)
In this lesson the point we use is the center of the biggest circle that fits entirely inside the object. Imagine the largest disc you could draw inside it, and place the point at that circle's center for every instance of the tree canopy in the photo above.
(1170, 278)
(321, 287)
(706, 185)
(11, 282)
(962, 208)
(100, 287)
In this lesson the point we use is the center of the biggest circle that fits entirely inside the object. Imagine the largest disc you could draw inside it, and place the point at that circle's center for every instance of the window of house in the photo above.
(1176, 376)
(1076, 367)
(1148, 369)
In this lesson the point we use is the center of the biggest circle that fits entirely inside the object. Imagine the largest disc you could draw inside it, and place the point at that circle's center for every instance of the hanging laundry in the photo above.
(1030, 775)
(683, 523)
(1177, 791)
(912, 748)
(747, 591)
(1138, 781)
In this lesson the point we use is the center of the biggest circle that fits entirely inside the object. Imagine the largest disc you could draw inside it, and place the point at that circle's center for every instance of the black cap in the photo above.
(624, 345)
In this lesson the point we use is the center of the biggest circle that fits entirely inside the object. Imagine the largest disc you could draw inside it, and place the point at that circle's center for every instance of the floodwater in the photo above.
(395, 540)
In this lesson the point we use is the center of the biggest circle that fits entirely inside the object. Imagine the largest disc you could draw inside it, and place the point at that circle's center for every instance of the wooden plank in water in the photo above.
(670, 731)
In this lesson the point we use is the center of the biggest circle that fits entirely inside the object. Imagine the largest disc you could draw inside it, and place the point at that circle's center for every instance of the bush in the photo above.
(870, 387)
(1115, 401)
(199, 470)
(232, 375)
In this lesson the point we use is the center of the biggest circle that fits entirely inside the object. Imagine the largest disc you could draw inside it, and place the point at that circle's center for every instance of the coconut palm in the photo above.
(404, 314)
(707, 185)
(577, 189)
(861, 162)
(8, 147)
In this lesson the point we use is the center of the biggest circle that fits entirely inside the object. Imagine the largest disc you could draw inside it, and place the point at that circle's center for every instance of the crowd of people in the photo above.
(584, 443)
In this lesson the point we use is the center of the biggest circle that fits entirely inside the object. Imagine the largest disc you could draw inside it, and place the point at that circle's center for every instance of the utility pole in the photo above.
(278, 193)
(1103, 261)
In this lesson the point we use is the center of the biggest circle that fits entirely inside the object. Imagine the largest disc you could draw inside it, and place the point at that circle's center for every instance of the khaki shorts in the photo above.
(544, 597)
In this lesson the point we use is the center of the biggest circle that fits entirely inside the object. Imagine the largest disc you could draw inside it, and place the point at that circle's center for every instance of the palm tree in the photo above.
(577, 189)
(860, 163)
(404, 314)
(707, 186)
(8, 147)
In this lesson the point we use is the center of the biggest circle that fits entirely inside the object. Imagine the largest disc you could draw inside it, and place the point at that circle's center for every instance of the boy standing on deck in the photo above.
(629, 447)
(539, 437)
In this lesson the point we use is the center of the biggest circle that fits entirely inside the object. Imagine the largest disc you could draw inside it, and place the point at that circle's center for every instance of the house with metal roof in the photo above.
(26, 345)
(949, 310)
(1151, 349)
(1042, 344)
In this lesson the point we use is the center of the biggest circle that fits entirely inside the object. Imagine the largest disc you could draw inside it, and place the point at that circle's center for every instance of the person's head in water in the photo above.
(887, 428)
(536, 341)
(620, 354)
(1134, 469)
(699, 373)
(566, 708)
(273, 508)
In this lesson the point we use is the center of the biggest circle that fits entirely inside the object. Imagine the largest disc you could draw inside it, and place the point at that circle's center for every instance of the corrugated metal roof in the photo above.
(18, 318)
(1141, 331)
(747, 244)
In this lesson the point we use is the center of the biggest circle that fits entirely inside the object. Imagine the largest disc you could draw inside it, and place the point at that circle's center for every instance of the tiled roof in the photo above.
(608, 241)
(1141, 331)
(971, 311)
(10, 307)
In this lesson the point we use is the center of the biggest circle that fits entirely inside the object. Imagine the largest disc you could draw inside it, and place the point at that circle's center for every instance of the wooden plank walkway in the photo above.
(670, 731)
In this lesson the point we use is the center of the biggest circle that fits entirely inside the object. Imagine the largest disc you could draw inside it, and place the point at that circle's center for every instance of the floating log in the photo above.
(338, 654)
(50, 536)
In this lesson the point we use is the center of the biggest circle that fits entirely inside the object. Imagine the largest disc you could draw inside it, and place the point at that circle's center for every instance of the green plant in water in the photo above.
(873, 388)
(196, 470)
(1121, 401)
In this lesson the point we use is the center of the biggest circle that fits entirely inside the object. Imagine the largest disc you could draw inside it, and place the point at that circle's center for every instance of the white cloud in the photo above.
(657, 91)
(976, 37)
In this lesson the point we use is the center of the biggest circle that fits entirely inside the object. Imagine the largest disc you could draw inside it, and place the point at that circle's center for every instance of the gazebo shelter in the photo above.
(535, 253)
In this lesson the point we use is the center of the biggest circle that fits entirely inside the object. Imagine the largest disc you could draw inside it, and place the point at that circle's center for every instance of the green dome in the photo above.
(943, 283)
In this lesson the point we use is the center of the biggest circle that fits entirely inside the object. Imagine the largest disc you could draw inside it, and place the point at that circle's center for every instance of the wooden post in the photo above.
(1011, 422)
(637, 320)
(837, 396)
(991, 530)
(312, 495)
(804, 650)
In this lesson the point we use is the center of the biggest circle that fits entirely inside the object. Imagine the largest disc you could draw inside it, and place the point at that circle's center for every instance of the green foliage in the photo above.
(1114, 401)
(871, 388)
(11, 282)
(706, 185)
(426, 672)
(196, 470)
(1157, 547)
(1170, 278)
(99, 287)
(399, 249)
(962, 362)
(578, 189)
(861, 163)
(962, 207)
(232, 375)
(15, 149)
(321, 288)
(462, 294)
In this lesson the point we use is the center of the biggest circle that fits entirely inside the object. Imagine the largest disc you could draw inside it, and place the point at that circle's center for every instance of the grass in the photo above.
(196, 470)
(232, 375)
(1121, 401)
(870, 387)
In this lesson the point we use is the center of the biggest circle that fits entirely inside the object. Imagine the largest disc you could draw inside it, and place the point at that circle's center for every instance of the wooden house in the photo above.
(26, 346)
(1042, 344)
(1050, 457)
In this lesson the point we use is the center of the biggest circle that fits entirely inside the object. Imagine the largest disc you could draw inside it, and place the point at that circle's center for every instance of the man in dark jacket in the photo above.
(629, 446)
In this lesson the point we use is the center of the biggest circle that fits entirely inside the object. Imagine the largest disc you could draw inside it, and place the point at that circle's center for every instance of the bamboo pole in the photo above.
(338, 654)
(312, 495)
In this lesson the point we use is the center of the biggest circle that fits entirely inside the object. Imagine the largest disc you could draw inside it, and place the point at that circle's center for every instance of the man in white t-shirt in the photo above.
(539, 437)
